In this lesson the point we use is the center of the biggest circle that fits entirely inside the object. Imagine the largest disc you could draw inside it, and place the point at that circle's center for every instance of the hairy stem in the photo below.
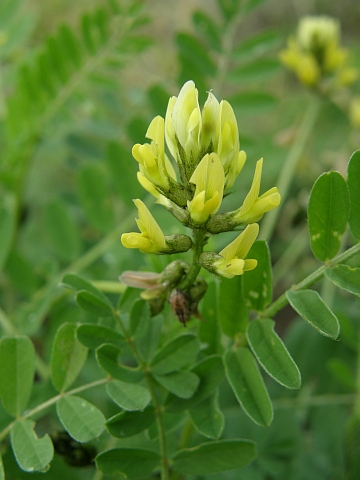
(280, 303)
(51, 401)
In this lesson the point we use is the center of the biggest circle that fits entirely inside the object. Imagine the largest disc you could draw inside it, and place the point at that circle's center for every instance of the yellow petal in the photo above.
(149, 226)
(252, 196)
(241, 245)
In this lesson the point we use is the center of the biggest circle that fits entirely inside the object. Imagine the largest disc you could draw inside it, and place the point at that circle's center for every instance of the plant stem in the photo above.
(50, 402)
(309, 280)
(289, 168)
(318, 400)
(199, 242)
(156, 403)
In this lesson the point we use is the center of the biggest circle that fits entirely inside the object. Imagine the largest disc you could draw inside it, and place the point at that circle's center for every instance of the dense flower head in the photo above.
(205, 161)
(315, 54)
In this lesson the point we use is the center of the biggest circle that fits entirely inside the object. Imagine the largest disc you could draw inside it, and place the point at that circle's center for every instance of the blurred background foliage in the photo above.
(79, 83)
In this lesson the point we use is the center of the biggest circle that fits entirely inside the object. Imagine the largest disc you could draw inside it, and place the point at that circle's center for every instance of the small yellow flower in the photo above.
(227, 143)
(315, 52)
(254, 206)
(183, 122)
(151, 156)
(233, 256)
(151, 239)
(209, 179)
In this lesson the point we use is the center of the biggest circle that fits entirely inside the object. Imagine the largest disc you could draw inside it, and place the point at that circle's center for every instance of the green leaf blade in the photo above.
(33, 454)
(345, 277)
(214, 457)
(328, 214)
(130, 462)
(207, 418)
(257, 284)
(175, 354)
(127, 424)
(17, 369)
(127, 395)
(246, 381)
(94, 304)
(82, 420)
(182, 384)
(67, 358)
(309, 305)
(232, 312)
(92, 336)
(107, 356)
(272, 354)
(353, 182)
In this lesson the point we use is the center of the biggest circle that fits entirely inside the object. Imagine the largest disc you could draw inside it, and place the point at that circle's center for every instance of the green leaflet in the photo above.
(92, 336)
(127, 424)
(345, 277)
(68, 357)
(33, 454)
(272, 354)
(309, 305)
(207, 418)
(183, 384)
(232, 311)
(328, 214)
(127, 395)
(214, 457)
(131, 462)
(107, 356)
(353, 182)
(246, 381)
(175, 354)
(80, 418)
(257, 284)
(17, 369)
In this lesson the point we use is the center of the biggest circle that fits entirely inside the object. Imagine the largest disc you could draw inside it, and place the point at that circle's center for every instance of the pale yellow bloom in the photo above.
(254, 206)
(151, 239)
(151, 156)
(209, 179)
(233, 256)
(315, 52)
(183, 122)
(209, 118)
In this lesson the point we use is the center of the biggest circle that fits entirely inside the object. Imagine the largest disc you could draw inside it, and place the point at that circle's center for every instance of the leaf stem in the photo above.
(309, 280)
(289, 168)
(51, 401)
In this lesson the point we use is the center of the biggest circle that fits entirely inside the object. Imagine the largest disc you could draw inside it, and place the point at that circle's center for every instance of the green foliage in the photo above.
(328, 214)
(32, 453)
(218, 456)
(311, 308)
(78, 351)
(245, 379)
(272, 354)
(82, 420)
(17, 369)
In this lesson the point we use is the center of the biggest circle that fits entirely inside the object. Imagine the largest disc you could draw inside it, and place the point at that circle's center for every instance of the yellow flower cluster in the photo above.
(207, 159)
(315, 54)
